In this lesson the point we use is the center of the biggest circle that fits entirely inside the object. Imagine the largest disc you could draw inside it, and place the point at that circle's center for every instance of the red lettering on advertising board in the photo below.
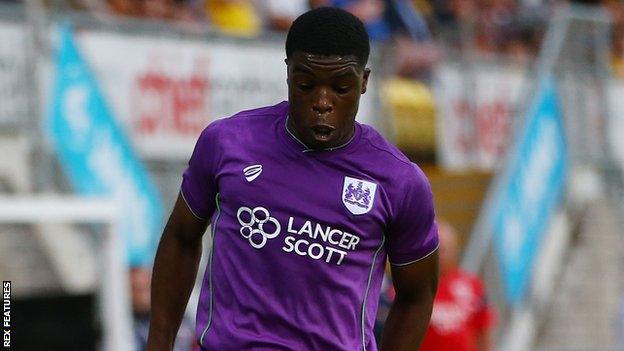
(493, 125)
(463, 111)
(167, 104)
(484, 128)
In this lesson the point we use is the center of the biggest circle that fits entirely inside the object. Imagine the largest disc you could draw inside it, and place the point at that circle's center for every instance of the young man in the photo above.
(305, 205)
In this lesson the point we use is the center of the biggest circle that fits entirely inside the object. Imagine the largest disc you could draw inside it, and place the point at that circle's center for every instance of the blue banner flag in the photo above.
(96, 155)
(530, 191)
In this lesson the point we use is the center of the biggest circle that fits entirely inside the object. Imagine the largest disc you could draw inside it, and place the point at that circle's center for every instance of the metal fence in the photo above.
(14, 109)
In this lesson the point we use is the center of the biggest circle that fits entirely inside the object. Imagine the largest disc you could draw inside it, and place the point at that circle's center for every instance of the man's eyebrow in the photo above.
(345, 73)
(303, 69)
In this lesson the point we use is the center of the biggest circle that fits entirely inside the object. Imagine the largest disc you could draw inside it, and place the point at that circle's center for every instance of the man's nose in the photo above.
(322, 102)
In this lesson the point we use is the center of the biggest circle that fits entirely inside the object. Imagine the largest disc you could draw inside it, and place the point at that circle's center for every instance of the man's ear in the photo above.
(367, 72)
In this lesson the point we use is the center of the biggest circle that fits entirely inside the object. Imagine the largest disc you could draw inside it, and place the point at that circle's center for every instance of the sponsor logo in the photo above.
(358, 195)
(254, 225)
(252, 172)
(302, 237)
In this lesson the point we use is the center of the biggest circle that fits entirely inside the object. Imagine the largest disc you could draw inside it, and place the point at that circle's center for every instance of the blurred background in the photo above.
(514, 109)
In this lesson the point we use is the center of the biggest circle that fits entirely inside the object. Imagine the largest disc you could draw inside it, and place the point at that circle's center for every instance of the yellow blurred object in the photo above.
(617, 64)
(412, 108)
(423, 7)
(234, 17)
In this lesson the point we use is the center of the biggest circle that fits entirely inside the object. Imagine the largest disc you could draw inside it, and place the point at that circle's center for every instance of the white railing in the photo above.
(114, 287)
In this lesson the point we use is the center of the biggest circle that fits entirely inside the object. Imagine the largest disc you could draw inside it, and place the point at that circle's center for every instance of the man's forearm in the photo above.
(406, 325)
(175, 269)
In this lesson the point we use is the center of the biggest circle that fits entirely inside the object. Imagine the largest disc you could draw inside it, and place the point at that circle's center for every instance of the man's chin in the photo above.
(317, 142)
(323, 141)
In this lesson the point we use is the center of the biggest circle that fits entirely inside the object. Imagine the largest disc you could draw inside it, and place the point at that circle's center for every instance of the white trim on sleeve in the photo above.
(416, 260)
(189, 207)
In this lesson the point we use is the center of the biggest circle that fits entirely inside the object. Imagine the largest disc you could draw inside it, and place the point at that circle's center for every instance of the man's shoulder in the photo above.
(278, 109)
(249, 118)
(376, 144)
(244, 120)
(388, 157)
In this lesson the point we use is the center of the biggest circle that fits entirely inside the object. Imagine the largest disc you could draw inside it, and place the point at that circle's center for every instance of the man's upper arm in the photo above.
(199, 186)
(416, 279)
(184, 223)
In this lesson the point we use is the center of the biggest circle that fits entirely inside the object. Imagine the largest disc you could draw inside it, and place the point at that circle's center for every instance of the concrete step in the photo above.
(584, 307)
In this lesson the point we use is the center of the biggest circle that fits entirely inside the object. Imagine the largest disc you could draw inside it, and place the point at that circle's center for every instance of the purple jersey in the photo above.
(300, 237)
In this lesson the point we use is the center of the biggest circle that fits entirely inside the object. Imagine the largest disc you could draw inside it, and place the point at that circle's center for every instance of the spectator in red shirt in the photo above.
(462, 320)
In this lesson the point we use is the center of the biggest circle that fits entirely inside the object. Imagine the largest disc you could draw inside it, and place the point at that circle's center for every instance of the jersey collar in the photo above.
(301, 146)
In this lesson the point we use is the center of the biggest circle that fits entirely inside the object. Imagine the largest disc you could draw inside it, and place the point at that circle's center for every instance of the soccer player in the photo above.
(305, 205)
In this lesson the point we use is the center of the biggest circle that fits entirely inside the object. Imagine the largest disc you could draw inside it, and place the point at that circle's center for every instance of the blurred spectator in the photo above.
(400, 22)
(462, 319)
(371, 12)
(492, 17)
(185, 13)
(447, 12)
(616, 9)
(178, 10)
(126, 7)
(416, 52)
(410, 61)
(158, 9)
(511, 27)
(233, 17)
(140, 281)
(279, 14)
(520, 43)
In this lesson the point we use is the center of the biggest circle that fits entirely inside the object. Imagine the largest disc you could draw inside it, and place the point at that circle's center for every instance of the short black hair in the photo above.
(328, 31)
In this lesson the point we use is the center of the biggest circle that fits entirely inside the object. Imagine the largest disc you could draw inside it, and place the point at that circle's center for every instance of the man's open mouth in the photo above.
(322, 132)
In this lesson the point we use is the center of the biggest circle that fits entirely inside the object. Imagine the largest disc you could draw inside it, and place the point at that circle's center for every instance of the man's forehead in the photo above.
(324, 62)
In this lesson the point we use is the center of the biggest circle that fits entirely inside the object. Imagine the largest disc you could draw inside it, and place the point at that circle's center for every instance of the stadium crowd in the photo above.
(512, 27)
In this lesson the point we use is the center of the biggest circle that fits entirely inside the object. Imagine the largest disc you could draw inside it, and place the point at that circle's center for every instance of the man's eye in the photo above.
(342, 90)
(304, 87)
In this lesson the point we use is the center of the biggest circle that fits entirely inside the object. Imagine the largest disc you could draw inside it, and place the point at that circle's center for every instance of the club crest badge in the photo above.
(358, 195)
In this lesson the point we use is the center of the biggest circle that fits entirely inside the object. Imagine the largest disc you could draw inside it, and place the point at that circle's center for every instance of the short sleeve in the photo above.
(412, 233)
(198, 181)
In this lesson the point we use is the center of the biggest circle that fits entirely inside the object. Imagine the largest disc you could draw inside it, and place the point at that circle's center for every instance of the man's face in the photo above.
(324, 95)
